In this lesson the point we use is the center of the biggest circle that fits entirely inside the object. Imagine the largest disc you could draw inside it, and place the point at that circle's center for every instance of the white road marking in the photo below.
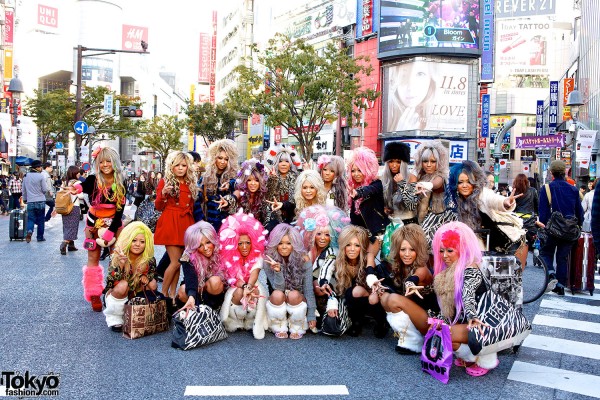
(574, 324)
(2, 391)
(248, 391)
(563, 305)
(563, 346)
(555, 378)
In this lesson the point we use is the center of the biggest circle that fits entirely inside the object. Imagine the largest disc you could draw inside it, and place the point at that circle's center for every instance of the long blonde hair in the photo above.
(209, 178)
(190, 177)
(124, 244)
(312, 177)
(344, 272)
(102, 188)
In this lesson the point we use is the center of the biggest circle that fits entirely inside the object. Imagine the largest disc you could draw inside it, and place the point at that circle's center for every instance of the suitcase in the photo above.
(582, 265)
(17, 228)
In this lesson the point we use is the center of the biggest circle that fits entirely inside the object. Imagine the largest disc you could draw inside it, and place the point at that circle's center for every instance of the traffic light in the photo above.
(131, 112)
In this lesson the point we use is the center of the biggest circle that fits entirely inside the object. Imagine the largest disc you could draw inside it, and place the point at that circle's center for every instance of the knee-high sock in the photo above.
(277, 317)
(464, 352)
(92, 281)
(408, 335)
(297, 319)
(114, 310)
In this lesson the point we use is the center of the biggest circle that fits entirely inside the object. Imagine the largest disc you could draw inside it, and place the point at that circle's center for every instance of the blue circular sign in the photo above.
(429, 30)
(80, 127)
(59, 145)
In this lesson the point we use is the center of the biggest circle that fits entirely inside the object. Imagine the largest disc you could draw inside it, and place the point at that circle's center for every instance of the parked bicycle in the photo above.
(535, 273)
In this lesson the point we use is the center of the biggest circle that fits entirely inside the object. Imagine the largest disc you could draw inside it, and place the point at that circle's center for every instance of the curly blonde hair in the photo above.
(312, 177)
(209, 178)
(415, 236)
(190, 177)
(344, 272)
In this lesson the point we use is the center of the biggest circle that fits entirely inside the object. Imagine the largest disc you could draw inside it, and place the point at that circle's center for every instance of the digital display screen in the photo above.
(429, 26)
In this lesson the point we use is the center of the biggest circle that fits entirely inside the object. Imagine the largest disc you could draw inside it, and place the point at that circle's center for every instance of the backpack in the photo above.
(63, 203)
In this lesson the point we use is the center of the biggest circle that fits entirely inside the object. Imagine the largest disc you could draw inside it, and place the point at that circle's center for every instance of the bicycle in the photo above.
(535, 273)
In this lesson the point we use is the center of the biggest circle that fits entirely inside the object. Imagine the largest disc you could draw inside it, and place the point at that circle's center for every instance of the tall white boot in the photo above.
(464, 353)
(488, 361)
(297, 320)
(277, 317)
(115, 308)
(410, 339)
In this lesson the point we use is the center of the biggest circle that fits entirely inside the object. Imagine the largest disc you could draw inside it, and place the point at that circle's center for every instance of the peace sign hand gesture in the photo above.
(222, 203)
(413, 290)
(275, 205)
(510, 200)
(274, 264)
(224, 187)
(122, 258)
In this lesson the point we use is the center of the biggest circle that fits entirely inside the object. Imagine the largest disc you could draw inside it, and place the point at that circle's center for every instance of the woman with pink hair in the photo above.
(242, 241)
(203, 274)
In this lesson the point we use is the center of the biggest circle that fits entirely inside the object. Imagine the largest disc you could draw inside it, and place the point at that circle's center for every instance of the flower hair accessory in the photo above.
(310, 224)
(323, 161)
(96, 152)
(321, 220)
(451, 239)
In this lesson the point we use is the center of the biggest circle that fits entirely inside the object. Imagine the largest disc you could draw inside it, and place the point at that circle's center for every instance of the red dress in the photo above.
(177, 215)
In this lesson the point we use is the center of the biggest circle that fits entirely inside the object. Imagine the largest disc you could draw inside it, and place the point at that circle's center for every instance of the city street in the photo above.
(48, 328)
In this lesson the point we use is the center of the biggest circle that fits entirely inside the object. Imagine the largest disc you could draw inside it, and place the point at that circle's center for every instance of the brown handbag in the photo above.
(144, 317)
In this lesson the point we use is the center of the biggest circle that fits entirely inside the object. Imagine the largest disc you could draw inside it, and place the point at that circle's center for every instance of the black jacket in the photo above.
(372, 214)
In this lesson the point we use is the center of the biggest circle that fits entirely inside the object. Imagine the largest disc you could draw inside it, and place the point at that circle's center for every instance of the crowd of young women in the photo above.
(275, 248)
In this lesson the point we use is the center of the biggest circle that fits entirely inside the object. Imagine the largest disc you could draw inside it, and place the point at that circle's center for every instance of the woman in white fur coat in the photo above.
(242, 243)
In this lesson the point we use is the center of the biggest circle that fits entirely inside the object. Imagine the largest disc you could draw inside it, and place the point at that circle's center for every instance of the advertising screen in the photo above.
(429, 26)
(424, 95)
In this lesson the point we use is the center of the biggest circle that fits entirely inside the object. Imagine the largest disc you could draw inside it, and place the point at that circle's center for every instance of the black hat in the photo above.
(396, 151)
(36, 164)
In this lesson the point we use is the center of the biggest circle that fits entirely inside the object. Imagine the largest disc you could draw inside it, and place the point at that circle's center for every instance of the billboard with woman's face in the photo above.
(429, 26)
(425, 95)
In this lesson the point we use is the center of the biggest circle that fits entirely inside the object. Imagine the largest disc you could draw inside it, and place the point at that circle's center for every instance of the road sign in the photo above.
(85, 166)
(59, 145)
(80, 127)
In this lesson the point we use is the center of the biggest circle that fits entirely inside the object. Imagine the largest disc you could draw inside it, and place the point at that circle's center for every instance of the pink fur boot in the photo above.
(93, 279)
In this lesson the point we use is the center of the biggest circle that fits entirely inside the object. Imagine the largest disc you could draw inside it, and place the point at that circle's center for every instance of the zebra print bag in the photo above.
(506, 327)
(337, 326)
(197, 328)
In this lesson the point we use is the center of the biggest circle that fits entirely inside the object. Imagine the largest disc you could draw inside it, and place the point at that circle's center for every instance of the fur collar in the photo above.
(443, 284)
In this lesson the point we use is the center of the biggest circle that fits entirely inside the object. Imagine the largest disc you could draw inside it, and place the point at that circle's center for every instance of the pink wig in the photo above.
(461, 238)
(366, 161)
(234, 226)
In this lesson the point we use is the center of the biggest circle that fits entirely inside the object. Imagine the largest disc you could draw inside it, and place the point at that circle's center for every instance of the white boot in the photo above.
(297, 320)
(277, 317)
(249, 321)
(236, 318)
(464, 353)
(261, 322)
(410, 339)
(115, 308)
(488, 361)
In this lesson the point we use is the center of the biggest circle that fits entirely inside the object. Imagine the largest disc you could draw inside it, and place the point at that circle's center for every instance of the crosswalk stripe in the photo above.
(249, 391)
(566, 323)
(560, 304)
(563, 346)
(555, 378)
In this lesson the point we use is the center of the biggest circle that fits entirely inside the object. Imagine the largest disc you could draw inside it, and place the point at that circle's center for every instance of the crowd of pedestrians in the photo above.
(289, 248)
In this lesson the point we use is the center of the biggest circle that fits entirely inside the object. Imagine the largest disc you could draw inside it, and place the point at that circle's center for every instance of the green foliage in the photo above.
(209, 121)
(162, 135)
(296, 86)
(53, 114)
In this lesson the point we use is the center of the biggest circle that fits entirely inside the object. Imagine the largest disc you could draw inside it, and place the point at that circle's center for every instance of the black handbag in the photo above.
(196, 328)
(336, 326)
(147, 214)
(561, 227)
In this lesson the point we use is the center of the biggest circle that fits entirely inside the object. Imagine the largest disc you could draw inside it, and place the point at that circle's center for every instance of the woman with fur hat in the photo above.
(284, 163)
(217, 182)
(333, 173)
(175, 196)
(289, 278)
(203, 273)
(242, 242)
(132, 269)
(395, 179)
(106, 191)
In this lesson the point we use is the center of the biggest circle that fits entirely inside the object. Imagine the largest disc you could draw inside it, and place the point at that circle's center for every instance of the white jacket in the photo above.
(492, 204)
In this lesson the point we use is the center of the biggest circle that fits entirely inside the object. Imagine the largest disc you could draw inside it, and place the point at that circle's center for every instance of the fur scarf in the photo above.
(443, 285)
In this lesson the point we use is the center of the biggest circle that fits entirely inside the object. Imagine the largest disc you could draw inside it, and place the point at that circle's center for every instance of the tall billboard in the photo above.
(424, 95)
(429, 26)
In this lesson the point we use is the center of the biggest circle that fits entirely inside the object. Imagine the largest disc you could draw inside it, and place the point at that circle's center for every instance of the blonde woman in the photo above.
(175, 196)
(106, 191)
(131, 270)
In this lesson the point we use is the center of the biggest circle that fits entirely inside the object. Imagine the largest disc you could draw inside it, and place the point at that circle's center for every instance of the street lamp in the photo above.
(575, 100)
(15, 88)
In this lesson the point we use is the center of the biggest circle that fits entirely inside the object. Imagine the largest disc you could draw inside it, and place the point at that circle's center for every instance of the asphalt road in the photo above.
(47, 327)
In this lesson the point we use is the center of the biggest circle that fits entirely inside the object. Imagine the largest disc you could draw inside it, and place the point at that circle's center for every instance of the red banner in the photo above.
(204, 64)
(9, 17)
(568, 86)
(47, 16)
(367, 17)
(482, 143)
(132, 37)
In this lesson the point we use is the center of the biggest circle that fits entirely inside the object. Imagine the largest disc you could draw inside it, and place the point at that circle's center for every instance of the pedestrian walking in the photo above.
(34, 194)
(47, 174)
(15, 187)
(70, 221)
(565, 199)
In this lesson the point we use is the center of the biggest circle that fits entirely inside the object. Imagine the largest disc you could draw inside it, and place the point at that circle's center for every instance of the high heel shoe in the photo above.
(63, 248)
